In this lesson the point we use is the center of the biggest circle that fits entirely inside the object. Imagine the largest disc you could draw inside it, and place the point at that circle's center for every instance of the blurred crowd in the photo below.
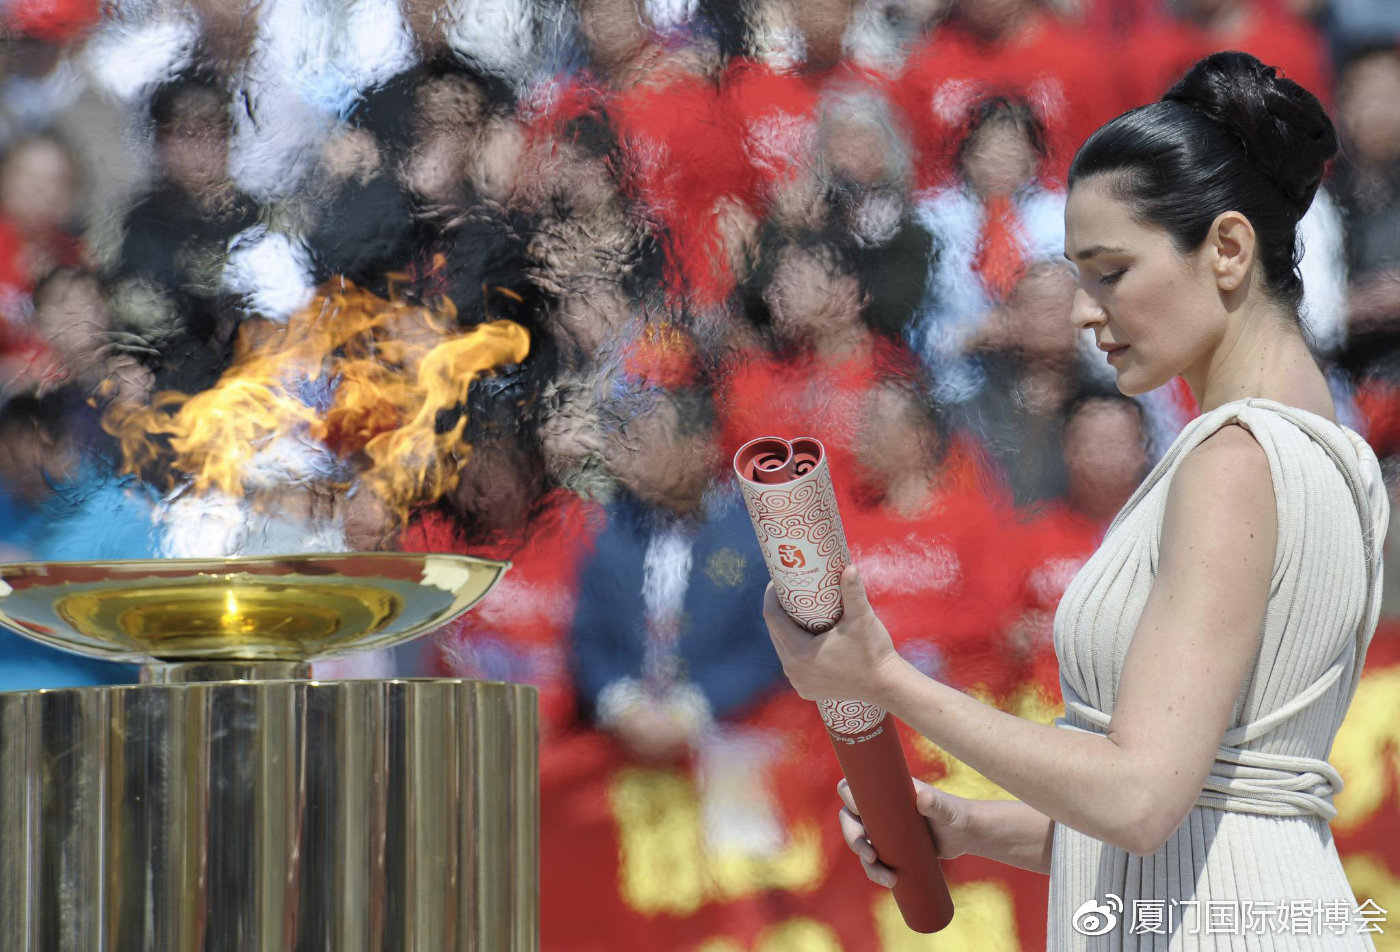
(716, 221)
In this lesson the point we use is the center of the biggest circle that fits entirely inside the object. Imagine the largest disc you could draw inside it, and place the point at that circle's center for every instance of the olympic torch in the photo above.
(787, 488)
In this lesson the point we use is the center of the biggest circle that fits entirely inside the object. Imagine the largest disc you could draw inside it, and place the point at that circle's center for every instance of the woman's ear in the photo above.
(1231, 249)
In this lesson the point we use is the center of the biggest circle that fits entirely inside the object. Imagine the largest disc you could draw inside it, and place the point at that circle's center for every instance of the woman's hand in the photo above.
(948, 816)
(853, 661)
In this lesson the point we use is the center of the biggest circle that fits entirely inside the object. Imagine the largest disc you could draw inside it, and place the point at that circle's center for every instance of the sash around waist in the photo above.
(1251, 781)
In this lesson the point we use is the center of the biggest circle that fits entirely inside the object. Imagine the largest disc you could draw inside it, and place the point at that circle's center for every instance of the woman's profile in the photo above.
(1210, 648)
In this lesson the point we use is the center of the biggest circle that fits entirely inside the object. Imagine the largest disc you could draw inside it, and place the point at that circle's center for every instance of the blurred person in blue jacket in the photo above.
(58, 503)
(666, 641)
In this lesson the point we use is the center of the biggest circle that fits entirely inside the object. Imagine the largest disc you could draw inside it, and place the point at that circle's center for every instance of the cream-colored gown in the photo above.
(1255, 854)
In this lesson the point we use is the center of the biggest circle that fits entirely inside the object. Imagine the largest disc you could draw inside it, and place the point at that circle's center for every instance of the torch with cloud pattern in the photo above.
(788, 491)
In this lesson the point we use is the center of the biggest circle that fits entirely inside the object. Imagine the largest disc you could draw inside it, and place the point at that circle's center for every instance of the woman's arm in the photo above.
(1190, 653)
(1007, 831)
(1013, 833)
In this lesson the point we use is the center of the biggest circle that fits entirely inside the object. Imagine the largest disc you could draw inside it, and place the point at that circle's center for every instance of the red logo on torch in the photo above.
(791, 556)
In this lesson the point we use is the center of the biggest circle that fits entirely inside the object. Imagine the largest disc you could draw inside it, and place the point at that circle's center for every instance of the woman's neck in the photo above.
(1265, 356)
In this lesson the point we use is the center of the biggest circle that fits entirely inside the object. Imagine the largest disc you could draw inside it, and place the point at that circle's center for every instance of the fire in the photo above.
(384, 372)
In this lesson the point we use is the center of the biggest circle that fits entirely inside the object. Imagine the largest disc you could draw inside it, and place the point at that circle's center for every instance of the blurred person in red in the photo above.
(691, 174)
(677, 156)
(774, 94)
(49, 86)
(821, 358)
(1105, 449)
(39, 196)
(930, 529)
(684, 155)
(1162, 48)
(1008, 47)
(994, 221)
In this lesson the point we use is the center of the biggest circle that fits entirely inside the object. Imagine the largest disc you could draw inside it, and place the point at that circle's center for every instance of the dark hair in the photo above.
(1230, 135)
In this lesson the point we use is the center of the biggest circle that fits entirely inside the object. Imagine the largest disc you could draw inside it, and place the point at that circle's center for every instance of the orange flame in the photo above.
(393, 370)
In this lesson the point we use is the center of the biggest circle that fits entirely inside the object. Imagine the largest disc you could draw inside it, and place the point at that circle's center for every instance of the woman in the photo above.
(1209, 649)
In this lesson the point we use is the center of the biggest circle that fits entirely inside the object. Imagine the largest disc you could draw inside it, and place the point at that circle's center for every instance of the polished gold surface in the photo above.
(235, 617)
(279, 608)
(276, 816)
(229, 803)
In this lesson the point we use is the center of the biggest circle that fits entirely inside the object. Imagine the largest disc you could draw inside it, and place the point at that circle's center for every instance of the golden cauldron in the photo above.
(231, 803)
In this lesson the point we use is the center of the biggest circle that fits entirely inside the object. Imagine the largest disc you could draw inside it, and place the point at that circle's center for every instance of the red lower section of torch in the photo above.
(878, 776)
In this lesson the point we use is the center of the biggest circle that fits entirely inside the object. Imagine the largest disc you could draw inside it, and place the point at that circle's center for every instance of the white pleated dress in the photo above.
(1253, 866)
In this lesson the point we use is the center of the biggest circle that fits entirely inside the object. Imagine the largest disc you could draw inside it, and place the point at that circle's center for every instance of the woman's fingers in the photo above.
(854, 834)
(788, 636)
(938, 806)
(947, 820)
(852, 830)
(843, 790)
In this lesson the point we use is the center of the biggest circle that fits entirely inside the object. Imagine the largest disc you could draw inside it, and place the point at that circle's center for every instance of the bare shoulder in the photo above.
(1223, 489)
(1200, 630)
(1226, 464)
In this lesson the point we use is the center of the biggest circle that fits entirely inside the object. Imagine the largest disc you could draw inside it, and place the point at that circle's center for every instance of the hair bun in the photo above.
(1285, 132)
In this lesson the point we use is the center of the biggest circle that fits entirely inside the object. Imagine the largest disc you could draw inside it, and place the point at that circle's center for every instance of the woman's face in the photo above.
(1161, 310)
